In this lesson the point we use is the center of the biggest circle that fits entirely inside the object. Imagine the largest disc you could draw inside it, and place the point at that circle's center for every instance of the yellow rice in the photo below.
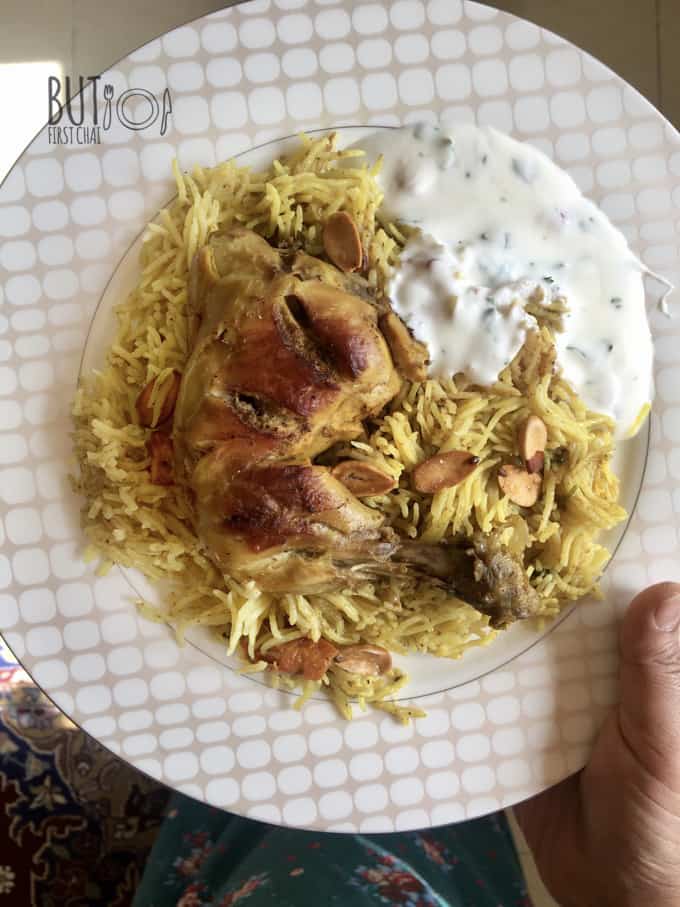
(129, 521)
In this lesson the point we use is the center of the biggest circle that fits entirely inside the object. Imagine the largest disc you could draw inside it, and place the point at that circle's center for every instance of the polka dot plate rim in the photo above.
(238, 78)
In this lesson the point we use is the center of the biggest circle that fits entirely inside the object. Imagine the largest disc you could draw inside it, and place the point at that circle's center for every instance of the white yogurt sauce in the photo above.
(499, 219)
(468, 327)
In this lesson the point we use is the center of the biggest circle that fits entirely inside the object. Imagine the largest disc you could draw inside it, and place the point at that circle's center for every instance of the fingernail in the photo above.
(667, 613)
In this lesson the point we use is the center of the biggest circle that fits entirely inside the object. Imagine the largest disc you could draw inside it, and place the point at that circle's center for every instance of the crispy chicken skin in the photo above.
(283, 366)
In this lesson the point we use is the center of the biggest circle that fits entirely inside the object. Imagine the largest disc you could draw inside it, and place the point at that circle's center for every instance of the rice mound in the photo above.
(132, 522)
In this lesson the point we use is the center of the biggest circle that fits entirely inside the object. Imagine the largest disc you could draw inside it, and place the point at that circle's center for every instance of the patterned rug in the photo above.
(79, 823)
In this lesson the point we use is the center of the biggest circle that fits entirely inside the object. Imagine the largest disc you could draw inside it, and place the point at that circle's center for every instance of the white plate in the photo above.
(504, 722)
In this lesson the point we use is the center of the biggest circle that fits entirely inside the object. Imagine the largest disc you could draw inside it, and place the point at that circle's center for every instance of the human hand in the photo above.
(610, 835)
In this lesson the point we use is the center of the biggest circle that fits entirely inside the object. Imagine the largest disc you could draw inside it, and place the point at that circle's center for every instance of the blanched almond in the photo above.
(443, 470)
(364, 659)
(363, 479)
(532, 437)
(169, 392)
(342, 242)
(410, 355)
(160, 450)
(521, 487)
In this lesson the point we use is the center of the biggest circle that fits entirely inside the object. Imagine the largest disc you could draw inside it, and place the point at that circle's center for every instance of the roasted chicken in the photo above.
(286, 361)
(288, 358)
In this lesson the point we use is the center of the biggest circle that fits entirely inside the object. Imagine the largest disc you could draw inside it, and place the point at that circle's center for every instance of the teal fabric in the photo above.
(204, 856)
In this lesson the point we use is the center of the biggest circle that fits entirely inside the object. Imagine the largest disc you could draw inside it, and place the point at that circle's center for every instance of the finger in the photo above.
(649, 707)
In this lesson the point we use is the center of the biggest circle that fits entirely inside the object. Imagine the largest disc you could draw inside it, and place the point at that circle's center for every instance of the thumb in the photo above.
(649, 709)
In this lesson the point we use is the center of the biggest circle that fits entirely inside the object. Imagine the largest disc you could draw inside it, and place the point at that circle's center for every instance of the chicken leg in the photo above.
(288, 360)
